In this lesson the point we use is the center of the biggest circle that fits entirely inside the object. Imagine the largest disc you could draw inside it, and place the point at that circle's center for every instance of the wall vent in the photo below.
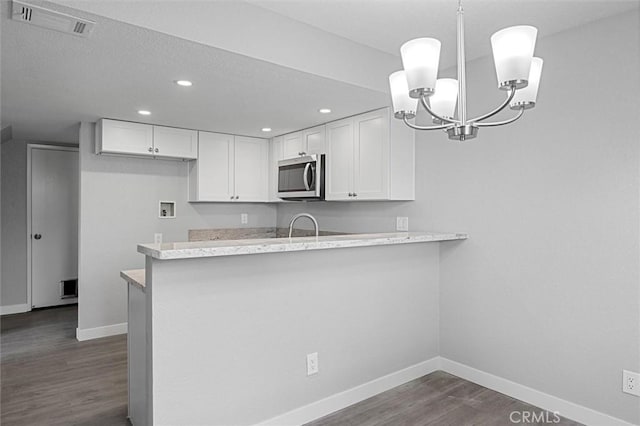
(51, 19)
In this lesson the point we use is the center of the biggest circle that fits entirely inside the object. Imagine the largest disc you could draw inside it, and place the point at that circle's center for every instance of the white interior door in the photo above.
(54, 224)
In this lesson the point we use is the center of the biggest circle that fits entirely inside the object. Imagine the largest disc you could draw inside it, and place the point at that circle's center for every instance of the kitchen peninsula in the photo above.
(223, 328)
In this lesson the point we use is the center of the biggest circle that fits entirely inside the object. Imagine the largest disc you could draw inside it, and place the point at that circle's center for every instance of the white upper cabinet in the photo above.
(306, 142)
(292, 145)
(339, 168)
(251, 157)
(276, 153)
(211, 177)
(123, 137)
(229, 168)
(126, 138)
(313, 140)
(175, 143)
(370, 157)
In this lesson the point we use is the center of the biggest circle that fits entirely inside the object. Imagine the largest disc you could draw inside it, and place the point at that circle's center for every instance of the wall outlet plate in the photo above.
(157, 238)
(312, 364)
(631, 382)
(244, 218)
(402, 223)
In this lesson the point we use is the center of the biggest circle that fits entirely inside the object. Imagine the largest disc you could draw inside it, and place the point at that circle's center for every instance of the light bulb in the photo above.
(420, 59)
(512, 52)
(403, 104)
(443, 101)
(526, 97)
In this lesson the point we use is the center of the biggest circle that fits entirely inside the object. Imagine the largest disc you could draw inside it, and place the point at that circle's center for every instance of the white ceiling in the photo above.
(386, 24)
(51, 81)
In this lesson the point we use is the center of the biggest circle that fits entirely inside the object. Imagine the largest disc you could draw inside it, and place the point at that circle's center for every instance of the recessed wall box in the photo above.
(167, 210)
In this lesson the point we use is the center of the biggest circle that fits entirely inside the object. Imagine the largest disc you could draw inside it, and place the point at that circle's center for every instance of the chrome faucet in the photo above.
(298, 216)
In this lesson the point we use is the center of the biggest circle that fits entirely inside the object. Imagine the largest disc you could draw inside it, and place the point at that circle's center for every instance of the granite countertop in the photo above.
(135, 277)
(189, 250)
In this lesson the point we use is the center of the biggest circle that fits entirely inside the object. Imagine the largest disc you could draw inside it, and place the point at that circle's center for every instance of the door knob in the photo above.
(37, 236)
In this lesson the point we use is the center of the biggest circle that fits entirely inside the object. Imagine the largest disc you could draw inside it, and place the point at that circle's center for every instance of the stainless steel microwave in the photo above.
(301, 178)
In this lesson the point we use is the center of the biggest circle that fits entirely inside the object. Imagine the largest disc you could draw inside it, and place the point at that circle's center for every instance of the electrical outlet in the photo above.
(312, 364)
(244, 218)
(631, 382)
(157, 238)
(402, 223)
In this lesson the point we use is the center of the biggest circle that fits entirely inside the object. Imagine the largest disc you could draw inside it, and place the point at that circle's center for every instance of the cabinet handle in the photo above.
(237, 197)
(350, 194)
(355, 195)
(231, 198)
(157, 150)
(150, 149)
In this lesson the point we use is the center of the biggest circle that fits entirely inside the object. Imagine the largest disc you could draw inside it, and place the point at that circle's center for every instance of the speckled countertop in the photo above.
(189, 250)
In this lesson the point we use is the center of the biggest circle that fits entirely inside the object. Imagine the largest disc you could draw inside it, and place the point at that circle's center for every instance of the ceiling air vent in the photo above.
(51, 19)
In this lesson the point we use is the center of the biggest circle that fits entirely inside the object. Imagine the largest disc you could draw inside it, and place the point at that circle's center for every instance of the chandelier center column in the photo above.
(462, 84)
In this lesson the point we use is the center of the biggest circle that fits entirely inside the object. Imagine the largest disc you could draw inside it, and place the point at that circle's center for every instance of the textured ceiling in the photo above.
(51, 81)
(266, 67)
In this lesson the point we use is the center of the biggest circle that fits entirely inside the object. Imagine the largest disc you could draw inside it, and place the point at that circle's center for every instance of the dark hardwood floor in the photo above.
(49, 378)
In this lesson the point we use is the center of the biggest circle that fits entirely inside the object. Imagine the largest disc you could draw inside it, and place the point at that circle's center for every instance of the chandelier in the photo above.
(517, 70)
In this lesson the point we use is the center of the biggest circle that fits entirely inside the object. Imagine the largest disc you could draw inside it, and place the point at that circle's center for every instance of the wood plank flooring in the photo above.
(438, 399)
(49, 378)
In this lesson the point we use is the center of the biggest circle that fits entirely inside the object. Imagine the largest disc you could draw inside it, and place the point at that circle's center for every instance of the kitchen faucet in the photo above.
(298, 216)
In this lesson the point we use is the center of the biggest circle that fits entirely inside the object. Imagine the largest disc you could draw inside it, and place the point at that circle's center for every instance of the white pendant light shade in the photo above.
(512, 52)
(443, 101)
(420, 59)
(526, 98)
(403, 104)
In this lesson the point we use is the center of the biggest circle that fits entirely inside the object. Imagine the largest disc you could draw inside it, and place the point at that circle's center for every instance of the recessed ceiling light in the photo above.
(324, 110)
(184, 83)
(266, 129)
(144, 112)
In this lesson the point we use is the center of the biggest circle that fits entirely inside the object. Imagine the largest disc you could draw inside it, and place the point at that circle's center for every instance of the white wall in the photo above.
(546, 290)
(13, 290)
(366, 311)
(119, 210)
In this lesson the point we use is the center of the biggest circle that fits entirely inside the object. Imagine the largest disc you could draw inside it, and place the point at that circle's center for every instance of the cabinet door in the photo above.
(339, 160)
(314, 140)
(215, 167)
(276, 153)
(123, 137)
(175, 143)
(292, 144)
(371, 152)
(251, 178)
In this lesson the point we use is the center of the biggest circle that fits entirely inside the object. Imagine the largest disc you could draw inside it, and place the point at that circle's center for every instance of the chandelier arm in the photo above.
(425, 104)
(502, 123)
(413, 126)
(512, 93)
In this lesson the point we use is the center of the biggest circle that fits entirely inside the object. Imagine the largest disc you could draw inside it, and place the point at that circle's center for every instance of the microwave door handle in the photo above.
(313, 177)
(304, 176)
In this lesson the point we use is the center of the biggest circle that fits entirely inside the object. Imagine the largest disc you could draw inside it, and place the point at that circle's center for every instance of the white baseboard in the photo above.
(351, 396)
(531, 396)
(14, 309)
(98, 332)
